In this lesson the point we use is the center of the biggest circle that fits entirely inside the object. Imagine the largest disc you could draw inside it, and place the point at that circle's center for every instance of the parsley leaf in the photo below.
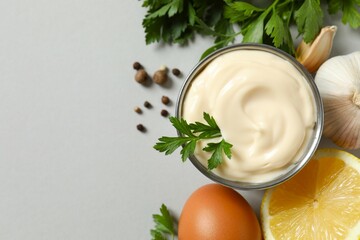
(217, 150)
(351, 15)
(211, 130)
(269, 25)
(164, 225)
(350, 9)
(240, 11)
(168, 21)
(277, 29)
(309, 19)
(190, 134)
(255, 30)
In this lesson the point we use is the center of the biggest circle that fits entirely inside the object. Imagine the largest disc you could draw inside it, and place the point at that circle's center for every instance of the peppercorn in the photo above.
(141, 128)
(138, 110)
(147, 104)
(165, 100)
(137, 66)
(160, 76)
(164, 113)
(176, 72)
(141, 76)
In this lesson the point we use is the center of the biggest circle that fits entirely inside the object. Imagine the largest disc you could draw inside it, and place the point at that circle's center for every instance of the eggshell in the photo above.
(216, 212)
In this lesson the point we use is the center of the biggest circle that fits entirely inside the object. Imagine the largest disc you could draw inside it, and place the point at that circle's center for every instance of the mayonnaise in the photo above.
(264, 108)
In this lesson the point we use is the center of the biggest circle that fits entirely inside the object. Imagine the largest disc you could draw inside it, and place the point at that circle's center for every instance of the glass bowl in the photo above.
(312, 144)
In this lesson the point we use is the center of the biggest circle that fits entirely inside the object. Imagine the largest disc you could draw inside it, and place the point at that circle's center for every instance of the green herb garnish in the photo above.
(164, 225)
(177, 21)
(190, 135)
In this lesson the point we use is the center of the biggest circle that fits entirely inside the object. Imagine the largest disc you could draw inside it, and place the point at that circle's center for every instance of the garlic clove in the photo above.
(313, 54)
(338, 81)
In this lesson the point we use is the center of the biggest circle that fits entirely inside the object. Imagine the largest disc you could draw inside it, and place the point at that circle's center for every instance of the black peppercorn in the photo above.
(164, 113)
(141, 128)
(147, 104)
(138, 110)
(176, 72)
(137, 65)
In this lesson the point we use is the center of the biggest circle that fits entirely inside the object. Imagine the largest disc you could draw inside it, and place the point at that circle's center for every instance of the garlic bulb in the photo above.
(338, 80)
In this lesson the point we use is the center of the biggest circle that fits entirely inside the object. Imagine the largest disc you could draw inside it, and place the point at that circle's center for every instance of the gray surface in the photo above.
(72, 164)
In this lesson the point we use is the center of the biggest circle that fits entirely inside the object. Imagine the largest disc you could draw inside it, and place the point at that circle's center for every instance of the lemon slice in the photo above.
(322, 201)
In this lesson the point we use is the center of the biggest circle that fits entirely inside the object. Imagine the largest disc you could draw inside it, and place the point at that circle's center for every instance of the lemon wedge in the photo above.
(322, 201)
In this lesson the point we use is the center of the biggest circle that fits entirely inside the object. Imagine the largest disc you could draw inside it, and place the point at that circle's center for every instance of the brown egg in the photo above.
(216, 212)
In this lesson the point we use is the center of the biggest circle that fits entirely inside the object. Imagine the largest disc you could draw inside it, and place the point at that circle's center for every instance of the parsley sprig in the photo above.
(177, 21)
(190, 134)
(164, 225)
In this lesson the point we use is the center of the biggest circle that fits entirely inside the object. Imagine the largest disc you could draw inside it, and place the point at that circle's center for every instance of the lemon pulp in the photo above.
(321, 202)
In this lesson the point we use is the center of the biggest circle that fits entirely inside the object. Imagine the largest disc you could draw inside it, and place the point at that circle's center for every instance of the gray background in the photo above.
(72, 164)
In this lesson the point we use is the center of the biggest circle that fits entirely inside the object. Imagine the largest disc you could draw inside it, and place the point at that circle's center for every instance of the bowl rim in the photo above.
(308, 151)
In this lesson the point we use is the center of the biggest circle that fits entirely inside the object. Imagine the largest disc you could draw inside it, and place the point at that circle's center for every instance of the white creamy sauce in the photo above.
(263, 107)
